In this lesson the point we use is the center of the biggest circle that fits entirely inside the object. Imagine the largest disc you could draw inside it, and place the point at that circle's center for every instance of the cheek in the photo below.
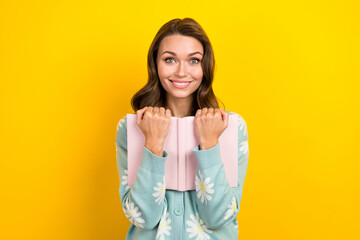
(197, 73)
(164, 71)
(197, 84)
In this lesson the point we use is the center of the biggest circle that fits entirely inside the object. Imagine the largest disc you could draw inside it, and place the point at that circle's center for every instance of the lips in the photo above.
(180, 84)
(179, 81)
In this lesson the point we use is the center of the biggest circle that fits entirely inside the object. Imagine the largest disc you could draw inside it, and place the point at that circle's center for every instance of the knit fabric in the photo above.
(209, 212)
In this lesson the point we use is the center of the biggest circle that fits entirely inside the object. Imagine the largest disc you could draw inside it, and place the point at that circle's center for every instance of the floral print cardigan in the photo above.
(209, 212)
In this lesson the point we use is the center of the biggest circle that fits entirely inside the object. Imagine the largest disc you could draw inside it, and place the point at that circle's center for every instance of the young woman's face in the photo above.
(179, 60)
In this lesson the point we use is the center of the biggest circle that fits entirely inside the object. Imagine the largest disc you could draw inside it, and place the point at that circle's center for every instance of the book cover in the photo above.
(181, 163)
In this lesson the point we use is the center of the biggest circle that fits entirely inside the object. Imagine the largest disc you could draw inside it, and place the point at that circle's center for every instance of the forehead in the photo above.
(180, 44)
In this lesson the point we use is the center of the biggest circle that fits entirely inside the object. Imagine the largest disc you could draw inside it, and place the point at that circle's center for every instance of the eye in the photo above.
(166, 60)
(198, 60)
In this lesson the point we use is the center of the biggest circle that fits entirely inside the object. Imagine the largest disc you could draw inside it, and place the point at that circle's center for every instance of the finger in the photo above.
(198, 113)
(162, 111)
(168, 113)
(217, 112)
(204, 111)
(148, 112)
(139, 115)
(149, 109)
(211, 112)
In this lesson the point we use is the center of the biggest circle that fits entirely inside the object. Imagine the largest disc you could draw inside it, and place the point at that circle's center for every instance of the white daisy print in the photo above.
(164, 226)
(197, 228)
(120, 123)
(244, 147)
(231, 209)
(124, 180)
(133, 214)
(203, 188)
(159, 192)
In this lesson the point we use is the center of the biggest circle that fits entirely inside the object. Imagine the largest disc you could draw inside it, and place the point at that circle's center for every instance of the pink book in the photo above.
(181, 163)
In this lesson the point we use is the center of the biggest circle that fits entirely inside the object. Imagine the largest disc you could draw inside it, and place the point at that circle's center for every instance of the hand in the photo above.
(209, 125)
(154, 123)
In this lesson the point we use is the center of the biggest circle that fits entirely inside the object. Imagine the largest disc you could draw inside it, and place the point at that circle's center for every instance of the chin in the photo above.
(180, 95)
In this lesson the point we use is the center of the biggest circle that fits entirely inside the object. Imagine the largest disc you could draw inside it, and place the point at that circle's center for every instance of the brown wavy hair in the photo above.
(153, 94)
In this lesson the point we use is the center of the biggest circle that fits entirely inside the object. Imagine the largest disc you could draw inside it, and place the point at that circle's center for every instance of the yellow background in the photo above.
(68, 70)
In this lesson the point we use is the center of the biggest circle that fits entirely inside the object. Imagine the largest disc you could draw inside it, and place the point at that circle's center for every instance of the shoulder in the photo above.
(121, 132)
(121, 123)
(240, 118)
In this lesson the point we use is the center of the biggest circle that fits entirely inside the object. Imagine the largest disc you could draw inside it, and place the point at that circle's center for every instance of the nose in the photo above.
(181, 69)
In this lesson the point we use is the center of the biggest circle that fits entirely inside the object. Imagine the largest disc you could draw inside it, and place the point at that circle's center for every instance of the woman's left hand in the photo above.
(209, 125)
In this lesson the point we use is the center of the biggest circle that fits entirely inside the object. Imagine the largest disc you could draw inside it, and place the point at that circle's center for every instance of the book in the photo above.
(181, 163)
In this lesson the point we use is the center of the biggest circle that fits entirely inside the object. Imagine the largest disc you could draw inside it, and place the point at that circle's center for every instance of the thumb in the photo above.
(139, 115)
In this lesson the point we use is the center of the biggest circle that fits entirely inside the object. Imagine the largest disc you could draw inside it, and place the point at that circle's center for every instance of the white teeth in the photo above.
(180, 83)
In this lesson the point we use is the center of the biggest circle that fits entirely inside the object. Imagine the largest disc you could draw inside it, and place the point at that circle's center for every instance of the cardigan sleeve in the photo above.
(144, 201)
(218, 203)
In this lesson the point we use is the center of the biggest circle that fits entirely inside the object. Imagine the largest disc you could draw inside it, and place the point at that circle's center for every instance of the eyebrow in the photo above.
(175, 53)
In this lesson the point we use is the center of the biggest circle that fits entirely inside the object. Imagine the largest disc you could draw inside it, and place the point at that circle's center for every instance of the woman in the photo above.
(181, 68)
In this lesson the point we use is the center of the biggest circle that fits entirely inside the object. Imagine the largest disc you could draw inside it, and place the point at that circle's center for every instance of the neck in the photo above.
(180, 107)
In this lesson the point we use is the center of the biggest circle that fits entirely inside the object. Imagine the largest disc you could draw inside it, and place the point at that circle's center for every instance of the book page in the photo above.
(228, 142)
(171, 164)
(190, 161)
(181, 163)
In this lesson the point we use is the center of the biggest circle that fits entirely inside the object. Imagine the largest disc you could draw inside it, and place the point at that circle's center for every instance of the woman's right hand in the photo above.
(154, 123)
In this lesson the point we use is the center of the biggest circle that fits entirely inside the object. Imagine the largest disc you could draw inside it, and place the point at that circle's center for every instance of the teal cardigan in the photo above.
(209, 212)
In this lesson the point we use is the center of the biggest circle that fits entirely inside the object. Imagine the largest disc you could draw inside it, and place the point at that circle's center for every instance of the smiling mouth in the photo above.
(180, 84)
(174, 81)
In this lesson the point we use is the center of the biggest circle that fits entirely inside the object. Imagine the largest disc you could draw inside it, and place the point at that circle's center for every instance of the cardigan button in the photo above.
(179, 211)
